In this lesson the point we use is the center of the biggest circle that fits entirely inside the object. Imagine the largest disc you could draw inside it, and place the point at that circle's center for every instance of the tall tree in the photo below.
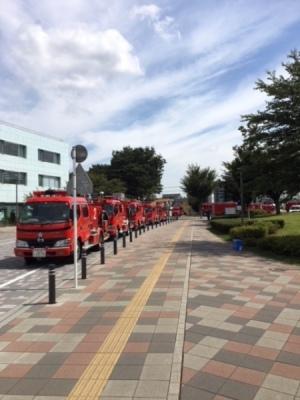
(198, 184)
(140, 168)
(99, 176)
(272, 135)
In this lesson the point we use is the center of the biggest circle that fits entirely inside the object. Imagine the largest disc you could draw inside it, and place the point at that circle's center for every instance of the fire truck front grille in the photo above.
(45, 243)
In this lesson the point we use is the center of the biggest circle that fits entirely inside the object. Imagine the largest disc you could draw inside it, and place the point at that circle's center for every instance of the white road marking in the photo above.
(18, 278)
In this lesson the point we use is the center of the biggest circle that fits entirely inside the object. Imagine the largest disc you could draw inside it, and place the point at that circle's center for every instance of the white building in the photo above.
(29, 161)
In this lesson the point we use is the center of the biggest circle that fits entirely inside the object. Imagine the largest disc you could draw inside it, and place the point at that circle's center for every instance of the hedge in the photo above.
(224, 226)
(255, 231)
(283, 245)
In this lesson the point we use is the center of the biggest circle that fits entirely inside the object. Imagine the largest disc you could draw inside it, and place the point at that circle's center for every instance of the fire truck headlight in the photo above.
(21, 243)
(62, 243)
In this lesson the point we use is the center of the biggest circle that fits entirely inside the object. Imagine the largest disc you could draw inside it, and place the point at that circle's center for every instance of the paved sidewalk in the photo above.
(242, 338)
(119, 336)
(177, 309)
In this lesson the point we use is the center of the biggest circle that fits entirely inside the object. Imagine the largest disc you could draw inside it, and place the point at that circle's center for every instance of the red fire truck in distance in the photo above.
(219, 209)
(162, 211)
(45, 226)
(151, 213)
(269, 208)
(177, 211)
(117, 215)
(136, 214)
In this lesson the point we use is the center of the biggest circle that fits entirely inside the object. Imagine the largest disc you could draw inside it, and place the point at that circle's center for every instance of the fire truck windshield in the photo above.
(132, 210)
(45, 213)
(109, 208)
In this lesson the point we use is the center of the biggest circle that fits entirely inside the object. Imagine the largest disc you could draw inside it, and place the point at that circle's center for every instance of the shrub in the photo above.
(224, 225)
(258, 213)
(283, 245)
(278, 221)
(255, 231)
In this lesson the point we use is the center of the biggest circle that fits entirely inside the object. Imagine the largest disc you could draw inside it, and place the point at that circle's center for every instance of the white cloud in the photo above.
(90, 72)
(72, 58)
(164, 26)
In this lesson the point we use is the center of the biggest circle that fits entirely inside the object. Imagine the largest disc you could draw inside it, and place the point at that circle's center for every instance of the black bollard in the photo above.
(156, 224)
(130, 235)
(159, 223)
(152, 225)
(115, 246)
(144, 228)
(135, 233)
(52, 290)
(124, 239)
(102, 254)
(83, 263)
(148, 227)
(140, 230)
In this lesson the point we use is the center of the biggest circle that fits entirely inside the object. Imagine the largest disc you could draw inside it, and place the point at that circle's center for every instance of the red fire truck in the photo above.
(45, 227)
(117, 215)
(219, 209)
(151, 213)
(136, 214)
(162, 211)
(291, 203)
(270, 208)
(177, 211)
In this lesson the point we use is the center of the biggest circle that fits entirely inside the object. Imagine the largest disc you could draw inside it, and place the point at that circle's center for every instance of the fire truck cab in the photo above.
(45, 226)
(117, 216)
(151, 214)
(135, 213)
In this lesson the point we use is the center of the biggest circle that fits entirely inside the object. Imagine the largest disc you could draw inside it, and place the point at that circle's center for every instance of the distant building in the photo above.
(83, 182)
(172, 196)
(29, 161)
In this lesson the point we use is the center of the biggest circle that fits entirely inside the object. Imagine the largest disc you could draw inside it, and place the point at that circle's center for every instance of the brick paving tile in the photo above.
(285, 370)
(218, 368)
(206, 381)
(248, 376)
(136, 347)
(187, 374)
(15, 371)
(28, 387)
(192, 393)
(69, 372)
(264, 352)
(238, 391)
(281, 384)
(266, 394)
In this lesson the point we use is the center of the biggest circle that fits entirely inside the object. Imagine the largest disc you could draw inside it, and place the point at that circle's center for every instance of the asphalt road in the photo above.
(21, 284)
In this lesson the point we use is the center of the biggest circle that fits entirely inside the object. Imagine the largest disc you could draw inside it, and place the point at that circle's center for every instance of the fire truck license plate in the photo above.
(39, 253)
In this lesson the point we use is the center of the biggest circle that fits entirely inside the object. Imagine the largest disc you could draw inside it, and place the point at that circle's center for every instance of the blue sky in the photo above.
(171, 74)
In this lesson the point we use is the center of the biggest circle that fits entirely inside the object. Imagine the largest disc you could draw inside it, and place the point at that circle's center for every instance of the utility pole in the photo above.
(242, 196)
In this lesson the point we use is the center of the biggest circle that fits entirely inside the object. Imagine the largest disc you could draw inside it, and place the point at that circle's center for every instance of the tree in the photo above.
(198, 184)
(140, 168)
(272, 137)
(98, 174)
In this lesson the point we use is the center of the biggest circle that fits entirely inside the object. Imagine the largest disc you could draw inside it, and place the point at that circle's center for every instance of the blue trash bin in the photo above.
(237, 244)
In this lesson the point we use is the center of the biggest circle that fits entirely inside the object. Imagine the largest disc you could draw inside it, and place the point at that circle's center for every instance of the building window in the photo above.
(49, 156)
(12, 149)
(13, 177)
(49, 181)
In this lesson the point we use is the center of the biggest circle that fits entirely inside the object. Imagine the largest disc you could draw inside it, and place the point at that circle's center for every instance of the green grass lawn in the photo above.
(291, 228)
(292, 224)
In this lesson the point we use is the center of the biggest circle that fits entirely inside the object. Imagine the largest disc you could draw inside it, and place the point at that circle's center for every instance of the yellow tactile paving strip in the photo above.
(96, 375)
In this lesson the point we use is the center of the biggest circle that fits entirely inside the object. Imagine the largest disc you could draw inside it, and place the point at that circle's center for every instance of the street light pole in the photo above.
(242, 196)
(75, 216)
